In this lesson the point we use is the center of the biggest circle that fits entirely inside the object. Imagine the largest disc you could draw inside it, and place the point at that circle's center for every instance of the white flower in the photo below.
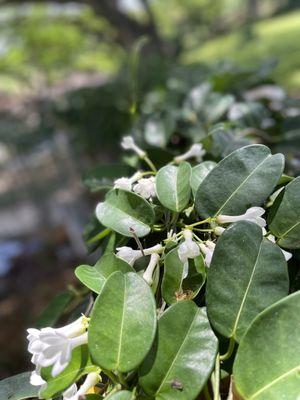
(208, 250)
(130, 256)
(128, 143)
(148, 274)
(126, 183)
(145, 187)
(253, 214)
(73, 394)
(50, 346)
(196, 151)
(269, 92)
(188, 248)
(287, 254)
(123, 183)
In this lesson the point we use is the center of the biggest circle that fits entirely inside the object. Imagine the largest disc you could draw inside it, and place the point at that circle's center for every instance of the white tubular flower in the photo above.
(145, 187)
(148, 274)
(123, 183)
(287, 254)
(253, 214)
(208, 250)
(50, 346)
(130, 256)
(126, 183)
(188, 248)
(196, 151)
(128, 143)
(90, 381)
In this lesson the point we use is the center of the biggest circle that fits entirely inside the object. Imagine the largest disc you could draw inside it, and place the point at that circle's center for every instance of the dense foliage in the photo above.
(192, 292)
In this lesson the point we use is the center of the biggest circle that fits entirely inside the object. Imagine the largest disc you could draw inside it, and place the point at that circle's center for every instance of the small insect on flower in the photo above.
(253, 214)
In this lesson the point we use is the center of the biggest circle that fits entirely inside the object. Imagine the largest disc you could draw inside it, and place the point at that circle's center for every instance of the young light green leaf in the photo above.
(17, 387)
(285, 216)
(79, 365)
(95, 277)
(123, 323)
(267, 364)
(125, 211)
(199, 173)
(173, 186)
(243, 179)
(183, 355)
(247, 274)
(174, 284)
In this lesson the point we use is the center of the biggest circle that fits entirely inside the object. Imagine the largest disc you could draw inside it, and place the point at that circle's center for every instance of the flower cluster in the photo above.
(53, 347)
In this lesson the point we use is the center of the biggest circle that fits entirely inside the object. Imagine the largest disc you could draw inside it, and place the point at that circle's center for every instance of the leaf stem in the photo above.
(205, 221)
(111, 376)
(216, 382)
(99, 236)
(122, 380)
(150, 163)
(229, 351)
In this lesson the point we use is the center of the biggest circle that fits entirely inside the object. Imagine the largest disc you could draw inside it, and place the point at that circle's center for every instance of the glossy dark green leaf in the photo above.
(103, 176)
(95, 277)
(173, 186)
(199, 173)
(55, 309)
(123, 211)
(17, 387)
(267, 365)
(183, 354)
(243, 179)
(123, 323)
(285, 223)
(174, 284)
(248, 273)
(122, 395)
(79, 365)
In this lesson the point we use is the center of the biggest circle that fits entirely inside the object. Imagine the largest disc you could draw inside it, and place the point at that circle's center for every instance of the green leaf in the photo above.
(199, 173)
(79, 365)
(123, 323)
(173, 186)
(248, 273)
(243, 179)
(285, 224)
(122, 395)
(103, 176)
(95, 277)
(17, 387)
(267, 365)
(174, 284)
(54, 310)
(123, 211)
(183, 354)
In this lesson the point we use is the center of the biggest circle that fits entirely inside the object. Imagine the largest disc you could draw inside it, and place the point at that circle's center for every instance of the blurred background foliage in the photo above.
(77, 75)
